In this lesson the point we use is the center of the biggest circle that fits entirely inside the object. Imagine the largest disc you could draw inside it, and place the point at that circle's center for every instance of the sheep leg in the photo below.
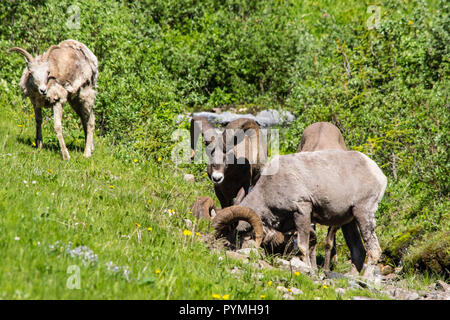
(329, 244)
(224, 201)
(366, 221)
(357, 251)
(38, 118)
(302, 220)
(240, 196)
(57, 115)
(89, 148)
(312, 246)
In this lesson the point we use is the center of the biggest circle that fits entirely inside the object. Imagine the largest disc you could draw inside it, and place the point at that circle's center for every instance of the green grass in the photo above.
(107, 204)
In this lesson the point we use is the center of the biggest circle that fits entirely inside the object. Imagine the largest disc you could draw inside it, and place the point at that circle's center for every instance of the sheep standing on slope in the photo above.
(326, 136)
(330, 187)
(66, 72)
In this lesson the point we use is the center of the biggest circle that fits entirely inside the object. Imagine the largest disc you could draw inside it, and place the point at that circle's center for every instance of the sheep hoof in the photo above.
(66, 155)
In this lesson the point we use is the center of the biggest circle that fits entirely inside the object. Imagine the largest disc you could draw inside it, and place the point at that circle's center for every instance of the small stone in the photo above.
(248, 251)
(362, 298)
(265, 265)
(385, 270)
(442, 286)
(296, 291)
(287, 296)
(237, 256)
(299, 265)
(283, 289)
(189, 177)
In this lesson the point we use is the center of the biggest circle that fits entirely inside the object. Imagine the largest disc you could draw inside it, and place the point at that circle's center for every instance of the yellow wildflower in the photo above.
(216, 296)
(262, 296)
(159, 159)
(111, 187)
(19, 125)
(198, 234)
(34, 144)
(269, 283)
(226, 297)
(410, 22)
(297, 273)
(137, 225)
(149, 201)
(149, 229)
(187, 232)
(157, 271)
(325, 286)
(135, 160)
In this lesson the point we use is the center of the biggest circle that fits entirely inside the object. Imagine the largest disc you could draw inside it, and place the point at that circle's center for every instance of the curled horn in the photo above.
(201, 125)
(204, 207)
(227, 216)
(254, 146)
(47, 54)
(25, 53)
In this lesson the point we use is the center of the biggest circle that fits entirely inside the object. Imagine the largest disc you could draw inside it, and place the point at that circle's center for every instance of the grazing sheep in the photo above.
(235, 156)
(326, 136)
(65, 72)
(330, 187)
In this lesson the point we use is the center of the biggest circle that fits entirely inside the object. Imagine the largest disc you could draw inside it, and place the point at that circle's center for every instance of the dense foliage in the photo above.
(380, 73)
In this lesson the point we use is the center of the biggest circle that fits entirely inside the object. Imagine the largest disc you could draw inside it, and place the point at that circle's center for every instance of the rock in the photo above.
(299, 265)
(385, 270)
(334, 275)
(284, 264)
(189, 177)
(283, 289)
(362, 298)
(248, 251)
(287, 296)
(265, 265)
(265, 118)
(237, 256)
(295, 291)
(442, 286)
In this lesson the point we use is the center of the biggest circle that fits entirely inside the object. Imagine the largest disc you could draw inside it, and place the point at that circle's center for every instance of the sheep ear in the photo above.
(203, 126)
(28, 57)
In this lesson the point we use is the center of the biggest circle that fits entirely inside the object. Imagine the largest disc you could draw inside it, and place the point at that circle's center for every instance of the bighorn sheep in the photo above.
(235, 156)
(66, 72)
(326, 136)
(330, 187)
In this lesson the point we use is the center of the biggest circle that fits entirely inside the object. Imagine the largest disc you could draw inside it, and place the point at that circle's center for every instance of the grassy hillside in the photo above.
(129, 217)
(381, 74)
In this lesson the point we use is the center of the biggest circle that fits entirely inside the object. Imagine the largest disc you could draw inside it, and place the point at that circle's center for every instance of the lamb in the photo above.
(326, 136)
(236, 156)
(330, 187)
(65, 72)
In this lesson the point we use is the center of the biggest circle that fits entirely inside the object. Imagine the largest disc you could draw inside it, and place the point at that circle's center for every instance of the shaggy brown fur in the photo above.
(65, 72)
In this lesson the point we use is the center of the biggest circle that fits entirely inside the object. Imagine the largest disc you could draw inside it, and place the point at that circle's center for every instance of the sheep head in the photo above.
(225, 221)
(238, 147)
(38, 68)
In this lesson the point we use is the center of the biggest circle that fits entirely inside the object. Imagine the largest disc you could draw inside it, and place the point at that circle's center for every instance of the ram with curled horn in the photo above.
(235, 156)
(65, 72)
(329, 187)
